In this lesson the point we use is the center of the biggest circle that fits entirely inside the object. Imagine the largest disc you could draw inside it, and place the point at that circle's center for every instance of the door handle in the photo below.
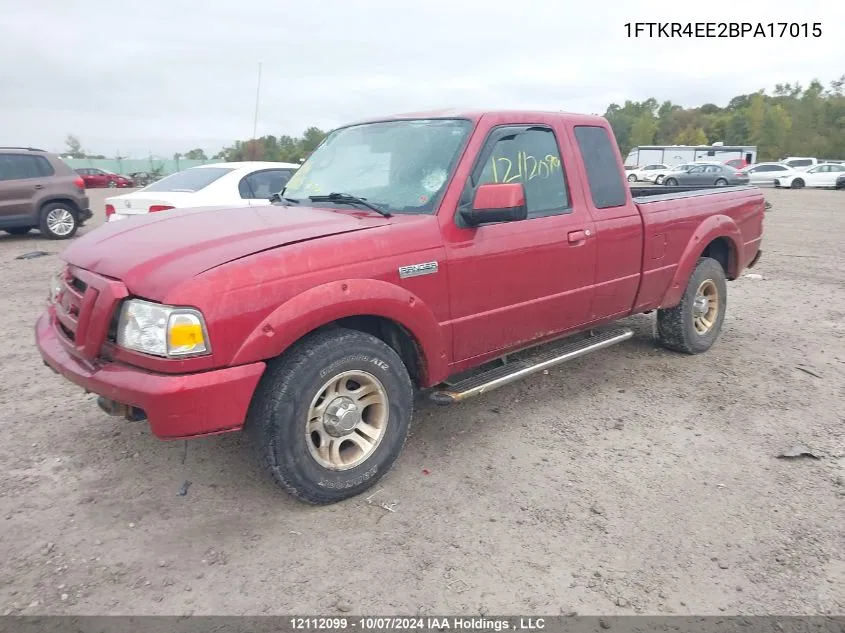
(576, 237)
(39, 186)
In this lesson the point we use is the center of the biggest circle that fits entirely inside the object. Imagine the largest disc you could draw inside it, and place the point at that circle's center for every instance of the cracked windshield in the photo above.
(402, 166)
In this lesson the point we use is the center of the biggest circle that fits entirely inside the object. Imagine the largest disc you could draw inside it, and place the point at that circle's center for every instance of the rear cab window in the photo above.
(607, 188)
(190, 180)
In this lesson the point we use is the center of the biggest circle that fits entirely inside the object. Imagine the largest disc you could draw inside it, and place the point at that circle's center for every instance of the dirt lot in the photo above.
(632, 481)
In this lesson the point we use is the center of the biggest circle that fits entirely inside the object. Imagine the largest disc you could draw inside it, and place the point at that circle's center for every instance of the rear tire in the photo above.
(670, 182)
(694, 324)
(18, 230)
(797, 184)
(300, 417)
(58, 221)
(721, 182)
(658, 180)
(112, 184)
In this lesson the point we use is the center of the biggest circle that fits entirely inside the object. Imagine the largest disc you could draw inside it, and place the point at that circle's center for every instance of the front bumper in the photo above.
(176, 406)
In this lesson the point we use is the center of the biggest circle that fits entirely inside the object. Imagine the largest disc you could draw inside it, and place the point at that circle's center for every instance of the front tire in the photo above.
(632, 178)
(58, 221)
(670, 182)
(331, 415)
(797, 184)
(694, 324)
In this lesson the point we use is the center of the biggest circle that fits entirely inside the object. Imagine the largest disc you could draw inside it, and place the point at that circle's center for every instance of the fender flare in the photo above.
(321, 305)
(712, 228)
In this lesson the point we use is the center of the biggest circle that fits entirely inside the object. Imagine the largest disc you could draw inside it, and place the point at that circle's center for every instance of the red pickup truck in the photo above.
(408, 253)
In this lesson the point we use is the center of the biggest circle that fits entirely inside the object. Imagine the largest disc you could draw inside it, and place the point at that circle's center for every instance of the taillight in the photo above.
(109, 211)
(79, 182)
(160, 207)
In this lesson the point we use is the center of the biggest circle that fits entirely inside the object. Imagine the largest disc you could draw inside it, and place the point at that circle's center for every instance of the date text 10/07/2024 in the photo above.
(724, 29)
(418, 623)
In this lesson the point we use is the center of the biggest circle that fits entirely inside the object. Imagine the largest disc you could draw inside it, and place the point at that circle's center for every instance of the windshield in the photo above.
(190, 180)
(402, 166)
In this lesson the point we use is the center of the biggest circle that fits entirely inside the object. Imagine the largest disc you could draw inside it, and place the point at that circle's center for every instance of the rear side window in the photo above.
(606, 186)
(190, 180)
(800, 163)
(263, 184)
(24, 166)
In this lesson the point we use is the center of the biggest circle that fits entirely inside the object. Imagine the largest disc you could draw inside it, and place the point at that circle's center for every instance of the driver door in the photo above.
(512, 283)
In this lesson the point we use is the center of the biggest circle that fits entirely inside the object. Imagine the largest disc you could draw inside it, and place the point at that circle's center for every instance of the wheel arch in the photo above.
(60, 199)
(386, 311)
(718, 237)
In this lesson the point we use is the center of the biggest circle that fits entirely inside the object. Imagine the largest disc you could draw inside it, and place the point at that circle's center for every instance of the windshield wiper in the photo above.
(279, 197)
(345, 197)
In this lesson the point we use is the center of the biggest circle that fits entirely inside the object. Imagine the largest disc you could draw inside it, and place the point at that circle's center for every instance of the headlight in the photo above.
(160, 330)
(56, 283)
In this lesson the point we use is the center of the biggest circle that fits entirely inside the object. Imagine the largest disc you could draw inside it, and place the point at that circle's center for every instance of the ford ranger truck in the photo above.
(408, 253)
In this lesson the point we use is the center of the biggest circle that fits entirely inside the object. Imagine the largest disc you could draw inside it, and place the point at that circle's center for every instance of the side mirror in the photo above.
(503, 202)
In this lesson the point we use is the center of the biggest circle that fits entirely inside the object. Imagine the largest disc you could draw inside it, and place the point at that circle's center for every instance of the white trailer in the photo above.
(676, 154)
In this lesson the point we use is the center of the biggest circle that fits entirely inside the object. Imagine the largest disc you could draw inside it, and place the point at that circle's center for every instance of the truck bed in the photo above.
(665, 240)
(662, 192)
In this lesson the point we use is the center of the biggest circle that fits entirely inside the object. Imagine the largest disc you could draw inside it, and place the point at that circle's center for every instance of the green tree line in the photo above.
(792, 121)
(287, 149)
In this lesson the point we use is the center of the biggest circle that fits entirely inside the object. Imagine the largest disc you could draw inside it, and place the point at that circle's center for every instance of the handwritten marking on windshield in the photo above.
(527, 167)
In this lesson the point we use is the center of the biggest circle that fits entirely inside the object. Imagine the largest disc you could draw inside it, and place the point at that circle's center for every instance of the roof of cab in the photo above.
(476, 115)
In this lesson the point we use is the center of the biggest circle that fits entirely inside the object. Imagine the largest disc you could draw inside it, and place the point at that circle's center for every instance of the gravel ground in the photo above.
(632, 481)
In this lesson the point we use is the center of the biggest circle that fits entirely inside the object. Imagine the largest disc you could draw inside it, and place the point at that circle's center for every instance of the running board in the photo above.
(515, 370)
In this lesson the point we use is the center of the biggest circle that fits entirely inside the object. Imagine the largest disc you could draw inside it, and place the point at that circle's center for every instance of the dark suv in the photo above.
(39, 190)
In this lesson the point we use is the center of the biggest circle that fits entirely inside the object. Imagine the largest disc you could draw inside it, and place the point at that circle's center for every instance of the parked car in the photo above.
(823, 175)
(144, 178)
(39, 190)
(710, 174)
(685, 167)
(737, 163)
(95, 178)
(216, 184)
(765, 173)
(311, 322)
(649, 173)
(800, 163)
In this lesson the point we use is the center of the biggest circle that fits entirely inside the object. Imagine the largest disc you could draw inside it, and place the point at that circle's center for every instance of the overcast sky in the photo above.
(163, 76)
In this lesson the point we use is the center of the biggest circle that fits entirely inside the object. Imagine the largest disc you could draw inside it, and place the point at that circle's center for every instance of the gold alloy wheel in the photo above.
(347, 420)
(705, 307)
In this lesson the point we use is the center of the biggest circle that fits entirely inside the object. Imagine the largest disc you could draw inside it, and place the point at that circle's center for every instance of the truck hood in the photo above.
(154, 252)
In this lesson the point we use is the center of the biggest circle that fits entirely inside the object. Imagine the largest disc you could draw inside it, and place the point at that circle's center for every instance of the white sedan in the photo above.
(649, 173)
(765, 173)
(822, 175)
(233, 184)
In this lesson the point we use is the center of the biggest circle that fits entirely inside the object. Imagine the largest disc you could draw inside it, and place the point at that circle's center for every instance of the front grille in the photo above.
(77, 283)
(83, 309)
(69, 306)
